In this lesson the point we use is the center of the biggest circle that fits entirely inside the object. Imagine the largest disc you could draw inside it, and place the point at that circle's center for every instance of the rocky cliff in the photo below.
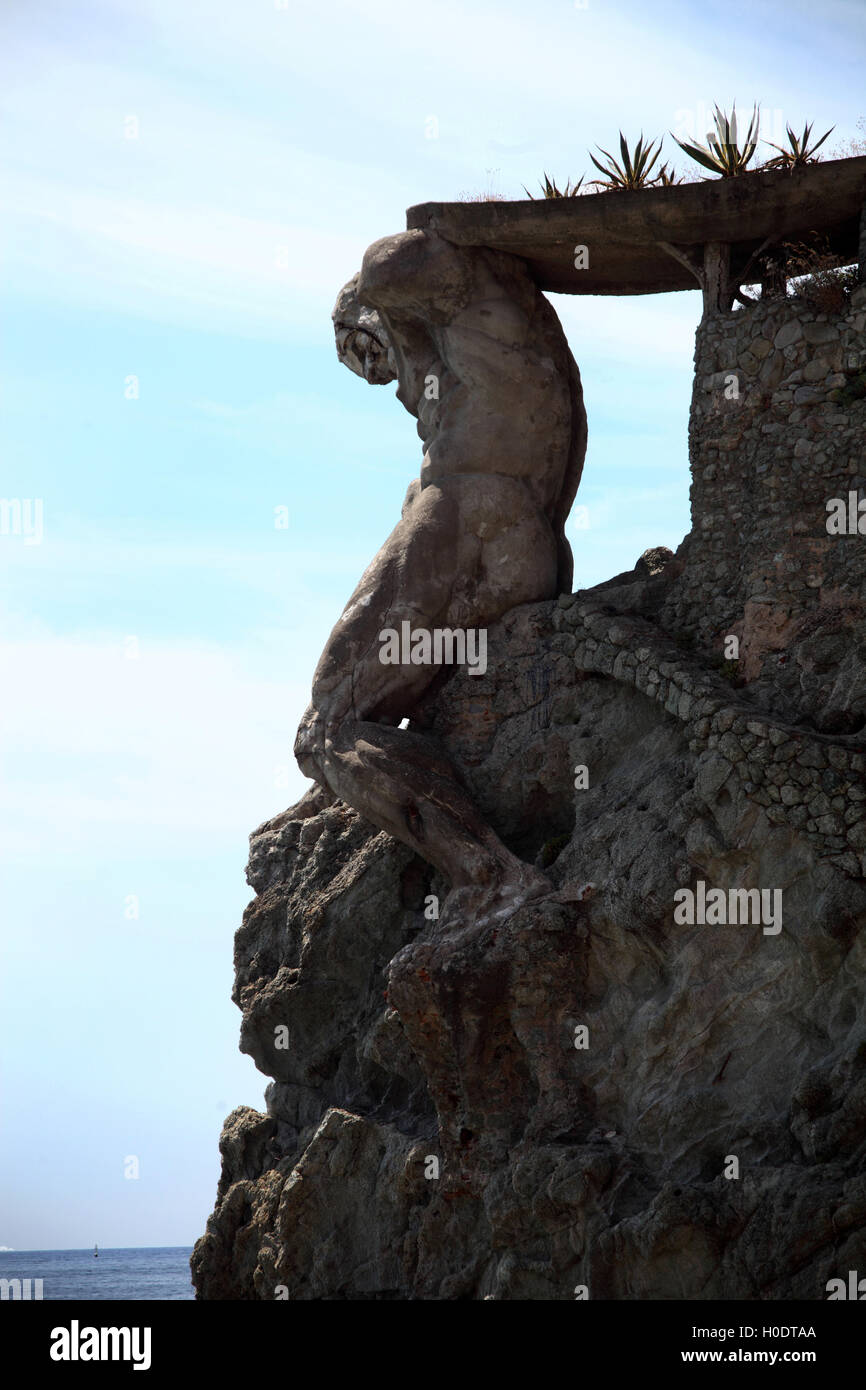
(599, 1095)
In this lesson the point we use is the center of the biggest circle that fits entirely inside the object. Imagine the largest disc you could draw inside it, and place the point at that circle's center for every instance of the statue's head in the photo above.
(362, 342)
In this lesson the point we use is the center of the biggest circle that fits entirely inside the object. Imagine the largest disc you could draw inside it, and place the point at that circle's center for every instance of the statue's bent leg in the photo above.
(460, 557)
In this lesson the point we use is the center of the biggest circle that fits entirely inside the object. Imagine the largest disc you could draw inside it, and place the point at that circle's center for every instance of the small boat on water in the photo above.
(96, 1252)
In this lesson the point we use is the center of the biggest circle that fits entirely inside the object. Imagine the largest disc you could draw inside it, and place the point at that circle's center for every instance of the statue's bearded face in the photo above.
(362, 342)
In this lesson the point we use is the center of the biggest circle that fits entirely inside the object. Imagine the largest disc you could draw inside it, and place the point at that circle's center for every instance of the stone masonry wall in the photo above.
(803, 780)
(777, 428)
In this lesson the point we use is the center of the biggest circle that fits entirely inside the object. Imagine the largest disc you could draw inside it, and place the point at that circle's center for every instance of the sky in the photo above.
(185, 188)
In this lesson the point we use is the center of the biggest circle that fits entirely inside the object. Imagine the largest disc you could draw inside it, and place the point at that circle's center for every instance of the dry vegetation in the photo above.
(815, 277)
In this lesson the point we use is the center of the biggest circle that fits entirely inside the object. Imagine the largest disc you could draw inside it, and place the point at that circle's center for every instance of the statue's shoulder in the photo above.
(417, 271)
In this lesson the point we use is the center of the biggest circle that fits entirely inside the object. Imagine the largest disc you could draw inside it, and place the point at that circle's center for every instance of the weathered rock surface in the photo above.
(559, 1166)
(433, 1130)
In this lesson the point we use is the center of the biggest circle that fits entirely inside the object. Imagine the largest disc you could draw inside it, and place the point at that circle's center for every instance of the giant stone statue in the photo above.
(482, 362)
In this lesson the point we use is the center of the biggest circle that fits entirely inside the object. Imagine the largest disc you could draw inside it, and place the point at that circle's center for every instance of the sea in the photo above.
(158, 1272)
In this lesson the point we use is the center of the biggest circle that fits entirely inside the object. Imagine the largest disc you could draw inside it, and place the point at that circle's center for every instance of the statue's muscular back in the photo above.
(484, 366)
(483, 363)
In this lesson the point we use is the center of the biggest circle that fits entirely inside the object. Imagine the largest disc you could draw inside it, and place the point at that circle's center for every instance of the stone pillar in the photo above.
(718, 294)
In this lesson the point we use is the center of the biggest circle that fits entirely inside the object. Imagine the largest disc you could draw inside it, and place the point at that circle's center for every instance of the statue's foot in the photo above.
(314, 800)
(575, 892)
(482, 904)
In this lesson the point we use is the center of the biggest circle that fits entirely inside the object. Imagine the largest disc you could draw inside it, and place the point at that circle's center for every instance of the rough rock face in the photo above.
(554, 1100)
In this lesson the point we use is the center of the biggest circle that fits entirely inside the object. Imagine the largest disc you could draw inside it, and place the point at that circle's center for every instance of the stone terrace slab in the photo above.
(624, 231)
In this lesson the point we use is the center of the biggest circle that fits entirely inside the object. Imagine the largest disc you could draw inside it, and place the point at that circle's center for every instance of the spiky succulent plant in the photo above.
(550, 189)
(800, 152)
(723, 154)
(667, 178)
(635, 169)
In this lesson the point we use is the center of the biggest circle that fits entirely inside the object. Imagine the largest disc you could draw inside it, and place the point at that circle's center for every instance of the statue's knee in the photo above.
(310, 744)
(320, 734)
(412, 493)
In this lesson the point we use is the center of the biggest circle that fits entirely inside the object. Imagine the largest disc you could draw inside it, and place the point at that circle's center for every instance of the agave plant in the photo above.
(800, 152)
(667, 178)
(634, 172)
(722, 154)
(550, 189)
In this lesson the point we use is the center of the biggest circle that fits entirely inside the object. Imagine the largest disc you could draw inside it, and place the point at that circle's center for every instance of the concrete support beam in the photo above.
(617, 242)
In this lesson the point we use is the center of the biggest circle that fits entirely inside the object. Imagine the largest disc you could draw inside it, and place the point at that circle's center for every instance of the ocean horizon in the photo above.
(132, 1273)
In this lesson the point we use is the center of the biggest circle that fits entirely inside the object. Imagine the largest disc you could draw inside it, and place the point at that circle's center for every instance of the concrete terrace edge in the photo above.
(625, 231)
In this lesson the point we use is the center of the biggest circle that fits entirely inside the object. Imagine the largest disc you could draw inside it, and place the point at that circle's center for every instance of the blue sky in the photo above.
(186, 186)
